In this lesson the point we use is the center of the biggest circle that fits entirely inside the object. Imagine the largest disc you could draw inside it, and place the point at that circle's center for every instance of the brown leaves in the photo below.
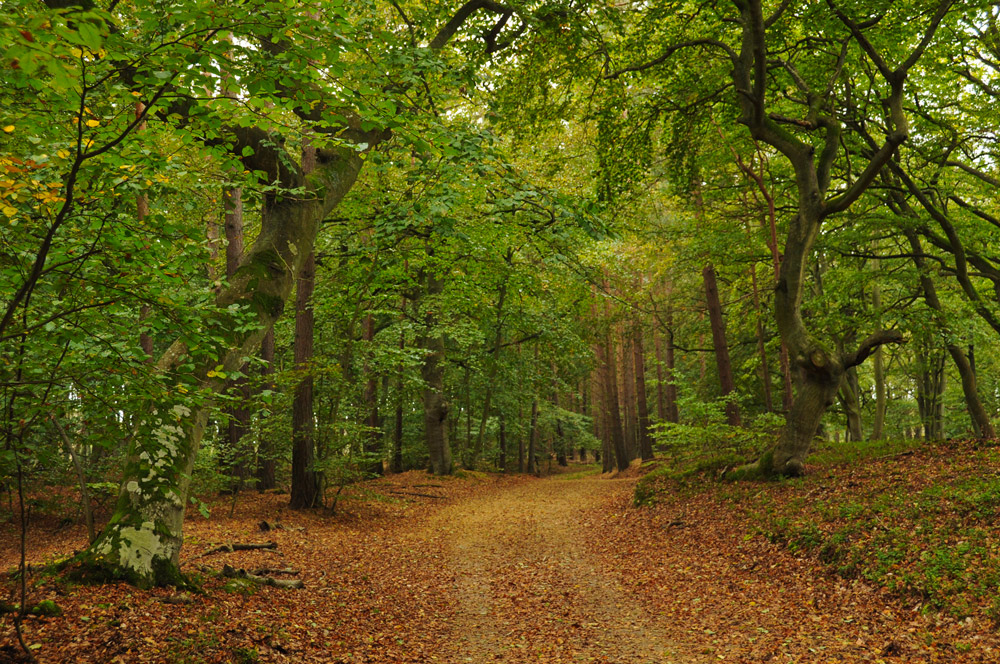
(511, 570)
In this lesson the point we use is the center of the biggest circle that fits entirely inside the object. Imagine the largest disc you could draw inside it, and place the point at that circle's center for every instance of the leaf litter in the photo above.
(505, 569)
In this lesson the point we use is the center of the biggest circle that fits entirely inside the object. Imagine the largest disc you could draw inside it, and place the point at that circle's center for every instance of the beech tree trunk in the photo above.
(623, 358)
(615, 434)
(765, 370)
(396, 465)
(850, 399)
(237, 414)
(930, 392)
(373, 438)
(520, 442)
(142, 541)
(720, 344)
(532, 466)
(642, 405)
(143, 538)
(661, 397)
(432, 371)
(266, 463)
(141, 212)
(305, 481)
(812, 160)
(667, 392)
(878, 367)
(980, 418)
(502, 441)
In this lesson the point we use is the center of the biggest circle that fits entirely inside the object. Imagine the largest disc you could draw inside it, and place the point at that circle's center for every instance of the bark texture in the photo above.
(305, 483)
(432, 371)
(720, 344)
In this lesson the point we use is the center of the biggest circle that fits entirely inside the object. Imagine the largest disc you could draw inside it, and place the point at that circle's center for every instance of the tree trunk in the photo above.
(642, 405)
(373, 437)
(665, 364)
(720, 345)
(432, 371)
(141, 212)
(878, 367)
(397, 438)
(142, 541)
(614, 434)
(818, 390)
(266, 463)
(533, 438)
(237, 414)
(850, 396)
(494, 363)
(765, 371)
(980, 418)
(305, 481)
(813, 166)
(930, 392)
(520, 443)
(502, 435)
(661, 397)
(465, 454)
(624, 359)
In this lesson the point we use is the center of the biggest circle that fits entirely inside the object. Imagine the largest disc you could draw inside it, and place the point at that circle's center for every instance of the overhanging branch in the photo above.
(869, 345)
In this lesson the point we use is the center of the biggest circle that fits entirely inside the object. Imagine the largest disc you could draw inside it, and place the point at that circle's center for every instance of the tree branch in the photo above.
(449, 29)
(670, 50)
(869, 345)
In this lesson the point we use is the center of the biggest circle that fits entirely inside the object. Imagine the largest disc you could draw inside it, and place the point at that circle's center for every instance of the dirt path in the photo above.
(528, 589)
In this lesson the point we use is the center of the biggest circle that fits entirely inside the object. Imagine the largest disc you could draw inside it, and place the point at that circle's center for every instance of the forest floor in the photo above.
(485, 568)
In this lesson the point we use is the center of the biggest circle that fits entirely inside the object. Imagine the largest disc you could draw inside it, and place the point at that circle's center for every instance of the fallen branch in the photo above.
(267, 525)
(270, 570)
(233, 573)
(233, 546)
(414, 493)
(894, 455)
(182, 598)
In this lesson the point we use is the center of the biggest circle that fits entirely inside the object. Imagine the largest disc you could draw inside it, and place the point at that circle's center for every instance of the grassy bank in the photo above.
(917, 519)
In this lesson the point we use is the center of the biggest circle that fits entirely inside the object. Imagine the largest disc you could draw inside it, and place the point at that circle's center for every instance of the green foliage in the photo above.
(706, 442)
(46, 609)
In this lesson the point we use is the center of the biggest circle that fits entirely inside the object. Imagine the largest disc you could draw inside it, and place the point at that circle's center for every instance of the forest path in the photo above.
(528, 588)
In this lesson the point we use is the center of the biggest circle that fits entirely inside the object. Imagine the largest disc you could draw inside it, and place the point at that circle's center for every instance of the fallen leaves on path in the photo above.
(371, 594)
(496, 569)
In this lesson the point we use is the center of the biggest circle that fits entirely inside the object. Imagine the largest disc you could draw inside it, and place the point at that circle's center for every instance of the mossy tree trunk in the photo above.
(305, 492)
(142, 541)
(812, 144)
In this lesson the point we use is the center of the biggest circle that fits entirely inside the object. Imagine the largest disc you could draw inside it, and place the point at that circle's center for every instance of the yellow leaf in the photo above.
(62, 154)
(9, 128)
(92, 123)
